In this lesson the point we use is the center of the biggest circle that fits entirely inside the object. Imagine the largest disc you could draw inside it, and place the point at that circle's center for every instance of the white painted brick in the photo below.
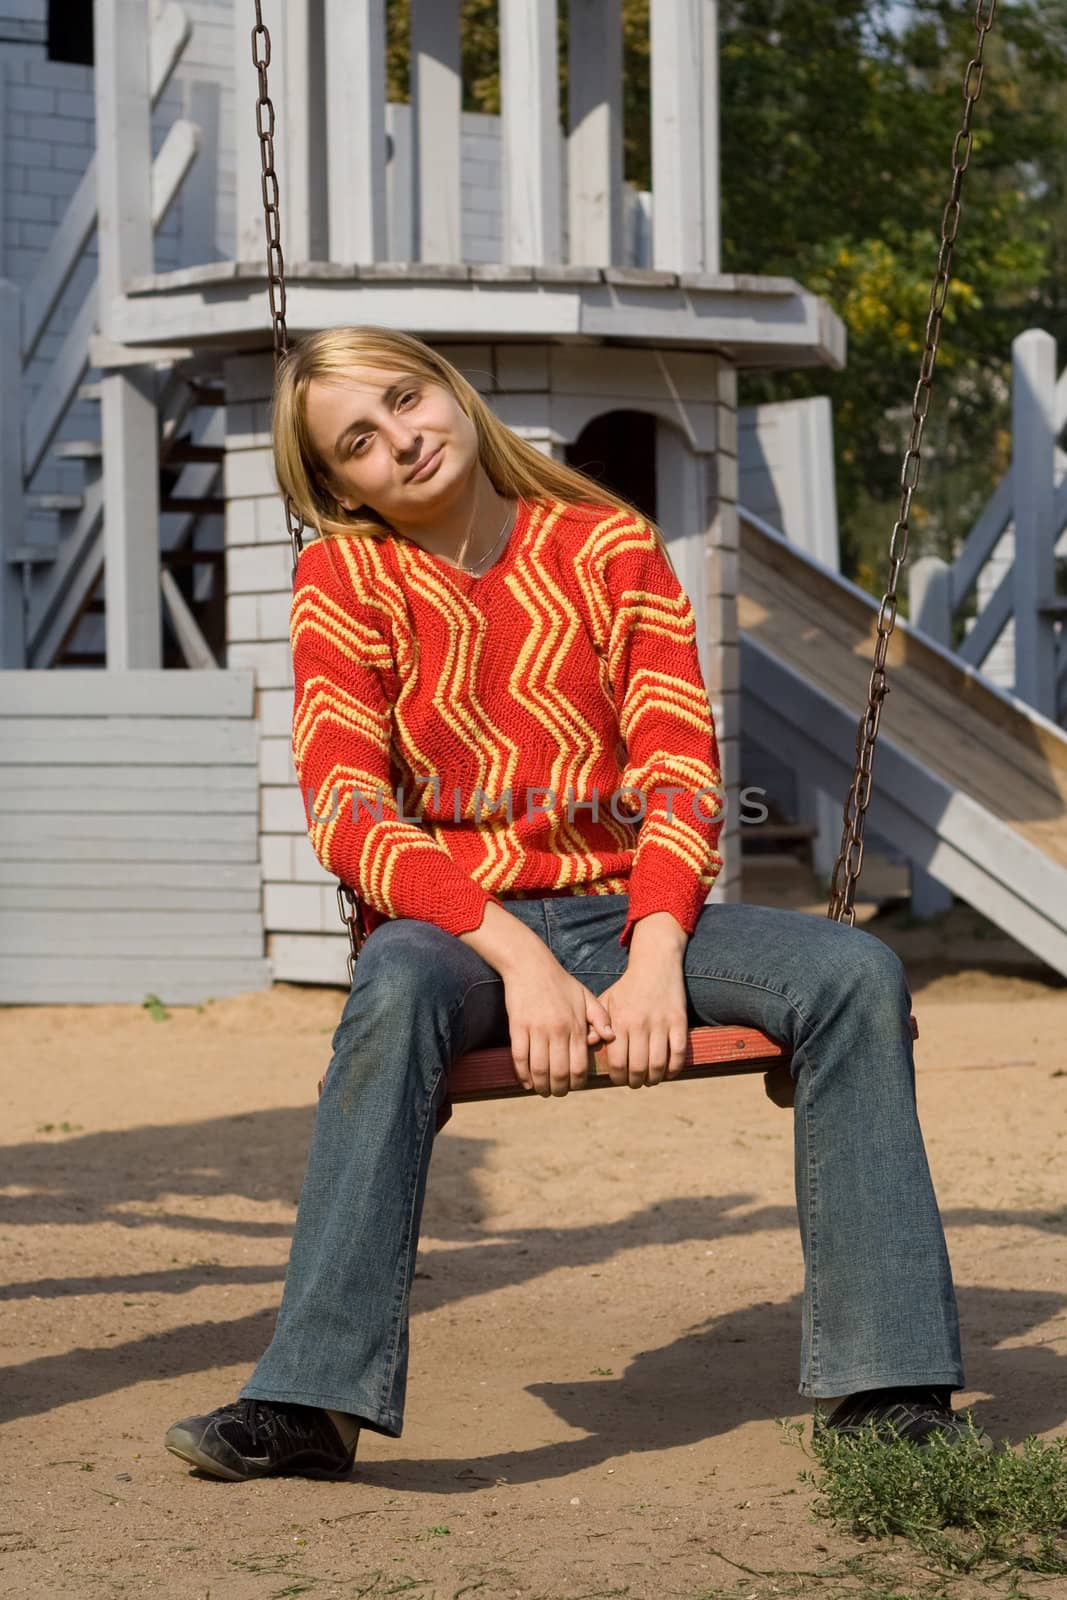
(275, 712)
(249, 472)
(282, 810)
(294, 907)
(276, 857)
(276, 762)
(724, 666)
(307, 868)
(272, 620)
(248, 425)
(258, 569)
(272, 663)
(71, 157)
(722, 570)
(240, 522)
(725, 526)
(242, 617)
(309, 958)
(23, 100)
(29, 207)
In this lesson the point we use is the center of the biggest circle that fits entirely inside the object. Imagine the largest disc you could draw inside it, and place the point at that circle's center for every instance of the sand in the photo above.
(606, 1316)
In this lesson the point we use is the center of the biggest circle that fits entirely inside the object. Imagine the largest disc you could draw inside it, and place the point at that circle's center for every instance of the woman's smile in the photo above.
(427, 466)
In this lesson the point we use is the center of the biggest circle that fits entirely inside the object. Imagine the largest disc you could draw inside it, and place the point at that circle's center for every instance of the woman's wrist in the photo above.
(659, 931)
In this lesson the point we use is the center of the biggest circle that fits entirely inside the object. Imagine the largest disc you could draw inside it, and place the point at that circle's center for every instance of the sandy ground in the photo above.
(606, 1318)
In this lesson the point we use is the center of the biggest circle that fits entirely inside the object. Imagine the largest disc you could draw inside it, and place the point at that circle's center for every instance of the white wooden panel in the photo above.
(75, 932)
(529, 107)
(224, 877)
(23, 833)
(120, 895)
(594, 144)
(436, 94)
(126, 694)
(127, 741)
(93, 980)
(355, 141)
(123, 795)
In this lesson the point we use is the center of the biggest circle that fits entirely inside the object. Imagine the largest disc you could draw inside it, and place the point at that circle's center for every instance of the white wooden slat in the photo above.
(70, 580)
(123, 896)
(437, 103)
(107, 695)
(210, 876)
(27, 832)
(12, 500)
(529, 110)
(69, 797)
(1033, 482)
(76, 932)
(684, 134)
(355, 142)
(122, 849)
(184, 783)
(594, 142)
(125, 741)
(91, 980)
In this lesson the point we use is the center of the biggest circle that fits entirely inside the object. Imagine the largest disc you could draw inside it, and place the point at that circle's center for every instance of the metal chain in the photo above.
(849, 863)
(272, 224)
(348, 903)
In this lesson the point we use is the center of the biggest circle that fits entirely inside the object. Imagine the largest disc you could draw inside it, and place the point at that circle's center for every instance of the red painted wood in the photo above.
(713, 1052)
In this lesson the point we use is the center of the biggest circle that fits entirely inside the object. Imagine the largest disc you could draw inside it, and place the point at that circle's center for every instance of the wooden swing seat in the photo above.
(712, 1052)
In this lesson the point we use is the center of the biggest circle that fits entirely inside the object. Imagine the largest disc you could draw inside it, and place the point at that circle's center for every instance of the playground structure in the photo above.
(140, 857)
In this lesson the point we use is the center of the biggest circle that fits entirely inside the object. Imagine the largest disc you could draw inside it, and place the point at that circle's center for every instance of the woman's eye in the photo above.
(408, 397)
(358, 444)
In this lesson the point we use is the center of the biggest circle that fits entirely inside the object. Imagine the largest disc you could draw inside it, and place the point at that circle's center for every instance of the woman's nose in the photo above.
(404, 439)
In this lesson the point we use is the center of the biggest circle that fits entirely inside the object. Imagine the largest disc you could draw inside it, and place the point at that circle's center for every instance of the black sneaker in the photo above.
(916, 1415)
(254, 1438)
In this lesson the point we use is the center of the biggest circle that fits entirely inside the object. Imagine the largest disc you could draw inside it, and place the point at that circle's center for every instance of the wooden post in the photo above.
(297, 75)
(128, 412)
(529, 112)
(355, 136)
(685, 135)
(930, 598)
(437, 105)
(12, 504)
(594, 142)
(1033, 402)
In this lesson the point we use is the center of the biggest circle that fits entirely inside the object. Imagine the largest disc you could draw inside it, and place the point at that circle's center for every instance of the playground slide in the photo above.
(969, 782)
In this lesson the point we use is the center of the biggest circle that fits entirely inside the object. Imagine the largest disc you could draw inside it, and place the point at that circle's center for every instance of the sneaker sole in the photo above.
(185, 1447)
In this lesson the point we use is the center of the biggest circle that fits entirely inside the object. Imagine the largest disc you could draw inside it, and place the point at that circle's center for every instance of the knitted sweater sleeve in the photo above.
(666, 724)
(342, 723)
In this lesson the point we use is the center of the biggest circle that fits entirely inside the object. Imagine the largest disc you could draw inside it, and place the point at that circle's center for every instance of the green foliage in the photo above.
(1010, 1506)
(155, 1008)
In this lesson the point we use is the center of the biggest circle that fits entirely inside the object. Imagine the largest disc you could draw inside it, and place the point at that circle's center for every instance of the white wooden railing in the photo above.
(1030, 506)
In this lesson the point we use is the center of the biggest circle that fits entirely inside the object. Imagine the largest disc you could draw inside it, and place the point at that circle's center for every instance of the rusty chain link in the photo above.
(272, 223)
(348, 903)
(849, 863)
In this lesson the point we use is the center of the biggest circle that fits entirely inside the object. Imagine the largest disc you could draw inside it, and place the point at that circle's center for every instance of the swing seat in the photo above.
(711, 1052)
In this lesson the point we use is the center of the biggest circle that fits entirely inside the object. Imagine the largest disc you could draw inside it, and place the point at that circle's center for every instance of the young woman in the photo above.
(505, 746)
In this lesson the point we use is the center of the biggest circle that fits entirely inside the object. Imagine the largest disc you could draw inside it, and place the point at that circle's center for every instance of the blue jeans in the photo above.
(878, 1305)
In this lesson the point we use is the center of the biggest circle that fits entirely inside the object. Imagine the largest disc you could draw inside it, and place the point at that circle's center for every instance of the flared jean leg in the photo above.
(878, 1306)
(420, 998)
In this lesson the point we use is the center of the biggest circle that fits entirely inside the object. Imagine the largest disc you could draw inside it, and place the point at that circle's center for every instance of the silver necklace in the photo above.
(484, 560)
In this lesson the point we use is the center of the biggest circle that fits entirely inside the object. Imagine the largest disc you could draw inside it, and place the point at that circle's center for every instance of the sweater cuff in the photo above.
(684, 902)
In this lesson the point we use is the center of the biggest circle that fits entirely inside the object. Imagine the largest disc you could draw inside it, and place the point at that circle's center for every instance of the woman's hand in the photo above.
(552, 1021)
(647, 1006)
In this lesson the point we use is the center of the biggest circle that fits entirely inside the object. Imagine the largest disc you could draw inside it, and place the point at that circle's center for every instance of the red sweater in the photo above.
(566, 677)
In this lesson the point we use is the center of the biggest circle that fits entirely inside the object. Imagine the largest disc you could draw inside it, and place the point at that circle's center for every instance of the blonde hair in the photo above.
(515, 468)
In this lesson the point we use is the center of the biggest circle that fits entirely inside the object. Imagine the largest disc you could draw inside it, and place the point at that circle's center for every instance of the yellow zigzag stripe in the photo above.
(657, 694)
(323, 703)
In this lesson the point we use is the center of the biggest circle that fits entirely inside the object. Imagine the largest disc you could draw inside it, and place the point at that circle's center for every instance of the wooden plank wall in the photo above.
(128, 847)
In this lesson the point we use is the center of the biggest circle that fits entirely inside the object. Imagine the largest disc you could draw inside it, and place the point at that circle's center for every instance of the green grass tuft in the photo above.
(1006, 1505)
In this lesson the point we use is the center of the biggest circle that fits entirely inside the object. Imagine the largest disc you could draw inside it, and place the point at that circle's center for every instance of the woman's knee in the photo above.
(862, 968)
(406, 965)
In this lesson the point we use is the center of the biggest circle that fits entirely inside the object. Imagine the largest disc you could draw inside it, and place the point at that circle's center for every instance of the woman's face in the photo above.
(401, 445)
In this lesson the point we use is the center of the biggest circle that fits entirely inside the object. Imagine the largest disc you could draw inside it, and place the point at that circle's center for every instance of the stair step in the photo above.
(83, 658)
(207, 505)
(89, 391)
(79, 450)
(185, 451)
(207, 394)
(192, 558)
(35, 554)
(55, 502)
